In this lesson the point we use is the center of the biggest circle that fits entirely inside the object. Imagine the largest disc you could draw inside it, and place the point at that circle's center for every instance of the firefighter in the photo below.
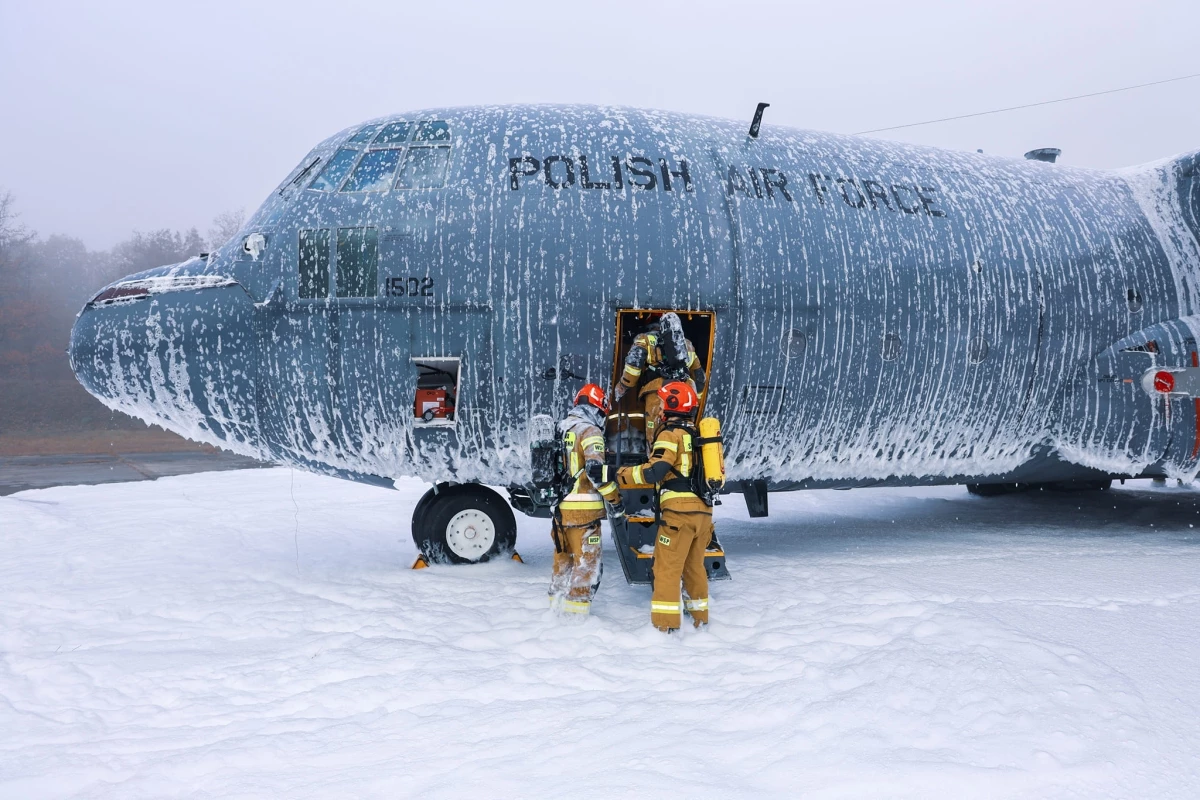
(686, 525)
(577, 517)
(658, 356)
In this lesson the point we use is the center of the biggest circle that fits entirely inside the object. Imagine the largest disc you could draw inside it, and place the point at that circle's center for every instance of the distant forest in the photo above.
(44, 281)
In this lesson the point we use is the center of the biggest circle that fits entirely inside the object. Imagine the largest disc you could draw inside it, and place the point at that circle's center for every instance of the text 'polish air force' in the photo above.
(663, 174)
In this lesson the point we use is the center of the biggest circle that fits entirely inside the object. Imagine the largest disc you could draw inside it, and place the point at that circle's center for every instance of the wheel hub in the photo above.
(470, 534)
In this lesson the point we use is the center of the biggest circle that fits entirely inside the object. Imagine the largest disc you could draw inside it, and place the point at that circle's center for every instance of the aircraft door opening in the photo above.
(627, 426)
(635, 534)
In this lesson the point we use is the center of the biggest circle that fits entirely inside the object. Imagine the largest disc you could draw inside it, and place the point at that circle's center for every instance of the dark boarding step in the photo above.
(633, 534)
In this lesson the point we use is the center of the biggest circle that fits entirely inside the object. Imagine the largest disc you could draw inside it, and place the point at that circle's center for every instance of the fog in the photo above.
(123, 116)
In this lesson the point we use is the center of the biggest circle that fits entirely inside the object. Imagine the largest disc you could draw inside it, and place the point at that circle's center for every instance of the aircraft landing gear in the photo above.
(463, 524)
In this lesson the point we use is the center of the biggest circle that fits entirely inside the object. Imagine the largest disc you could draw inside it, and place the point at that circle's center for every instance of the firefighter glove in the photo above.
(616, 511)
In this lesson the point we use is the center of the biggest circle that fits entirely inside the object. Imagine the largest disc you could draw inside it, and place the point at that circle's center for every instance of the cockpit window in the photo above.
(302, 174)
(424, 168)
(421, 166)
(374, 172)
(394, 133)
(357, 262)
(335, 170)
(432, 130)
(364, 134)
(314, 264)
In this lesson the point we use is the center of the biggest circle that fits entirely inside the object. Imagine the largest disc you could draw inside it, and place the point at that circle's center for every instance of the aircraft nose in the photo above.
(103, 352)
(177, 351)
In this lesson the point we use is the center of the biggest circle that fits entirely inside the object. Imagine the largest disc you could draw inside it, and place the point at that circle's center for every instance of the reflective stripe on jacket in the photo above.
(584, 443)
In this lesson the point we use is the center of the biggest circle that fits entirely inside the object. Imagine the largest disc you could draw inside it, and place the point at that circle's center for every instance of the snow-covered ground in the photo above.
(259, 634)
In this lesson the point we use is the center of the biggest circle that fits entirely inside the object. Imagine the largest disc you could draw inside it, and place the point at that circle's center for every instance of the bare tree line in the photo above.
(45, 281)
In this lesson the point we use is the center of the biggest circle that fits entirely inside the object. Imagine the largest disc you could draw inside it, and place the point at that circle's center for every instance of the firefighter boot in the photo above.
(586, 551)
(575, 568)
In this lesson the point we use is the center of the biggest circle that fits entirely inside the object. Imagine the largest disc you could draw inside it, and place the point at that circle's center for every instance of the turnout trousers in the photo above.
(576, 575)
(651, 405)
(679, 555)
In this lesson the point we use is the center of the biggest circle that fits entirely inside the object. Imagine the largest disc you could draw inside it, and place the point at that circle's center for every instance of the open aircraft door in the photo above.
(634, 538)
(699, 327)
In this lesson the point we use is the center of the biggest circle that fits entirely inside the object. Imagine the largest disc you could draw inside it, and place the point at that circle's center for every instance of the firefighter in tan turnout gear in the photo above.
(577, 517)
(686, 517)
(657, 357)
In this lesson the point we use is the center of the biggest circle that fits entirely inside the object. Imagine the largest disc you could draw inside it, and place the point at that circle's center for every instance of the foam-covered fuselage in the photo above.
(884, 313)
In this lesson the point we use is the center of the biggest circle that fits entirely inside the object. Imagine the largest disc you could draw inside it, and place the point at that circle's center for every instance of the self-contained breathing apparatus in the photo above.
(672, 346)
(548, 460)
(552, 478)
(669, 371)
(552, 448)
(706, 475)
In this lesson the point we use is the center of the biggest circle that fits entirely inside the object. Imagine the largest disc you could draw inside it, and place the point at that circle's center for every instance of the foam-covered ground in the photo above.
(259, 634)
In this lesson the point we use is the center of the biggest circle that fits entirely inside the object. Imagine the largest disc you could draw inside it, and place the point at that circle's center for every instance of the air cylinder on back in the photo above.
(712, 453)
(544, 451)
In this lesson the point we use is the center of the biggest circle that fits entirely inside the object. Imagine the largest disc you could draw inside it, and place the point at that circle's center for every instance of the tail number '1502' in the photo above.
(410, 287)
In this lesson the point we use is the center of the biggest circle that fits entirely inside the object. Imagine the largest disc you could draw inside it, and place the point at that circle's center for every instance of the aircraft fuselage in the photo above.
(884, 313)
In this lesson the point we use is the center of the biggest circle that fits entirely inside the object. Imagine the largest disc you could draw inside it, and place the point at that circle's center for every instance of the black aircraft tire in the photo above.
(423, 505)
(463, 524)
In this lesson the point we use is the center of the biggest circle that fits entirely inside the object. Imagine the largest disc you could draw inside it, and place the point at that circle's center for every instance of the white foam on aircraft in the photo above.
(1027, 235)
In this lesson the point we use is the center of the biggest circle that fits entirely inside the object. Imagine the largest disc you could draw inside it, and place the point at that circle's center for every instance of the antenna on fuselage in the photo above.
(757, 121)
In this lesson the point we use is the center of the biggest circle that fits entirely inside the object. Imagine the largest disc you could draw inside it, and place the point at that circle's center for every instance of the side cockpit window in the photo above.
(355, 263)
(380, 157)
(314, 264)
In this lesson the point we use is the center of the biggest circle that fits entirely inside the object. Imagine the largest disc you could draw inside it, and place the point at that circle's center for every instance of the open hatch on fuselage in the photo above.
(626, 423)
(436, 396)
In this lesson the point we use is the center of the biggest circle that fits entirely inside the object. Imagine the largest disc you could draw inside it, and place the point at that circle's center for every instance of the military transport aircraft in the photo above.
(422, 286)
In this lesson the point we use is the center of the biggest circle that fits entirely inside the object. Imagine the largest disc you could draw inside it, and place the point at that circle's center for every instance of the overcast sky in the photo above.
(118, 116)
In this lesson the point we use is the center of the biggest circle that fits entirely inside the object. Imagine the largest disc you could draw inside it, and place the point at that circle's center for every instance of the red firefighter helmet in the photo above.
(678, 398)
(593, 395)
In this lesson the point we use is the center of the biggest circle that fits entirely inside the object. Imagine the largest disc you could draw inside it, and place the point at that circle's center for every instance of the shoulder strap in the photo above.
(679, 426)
